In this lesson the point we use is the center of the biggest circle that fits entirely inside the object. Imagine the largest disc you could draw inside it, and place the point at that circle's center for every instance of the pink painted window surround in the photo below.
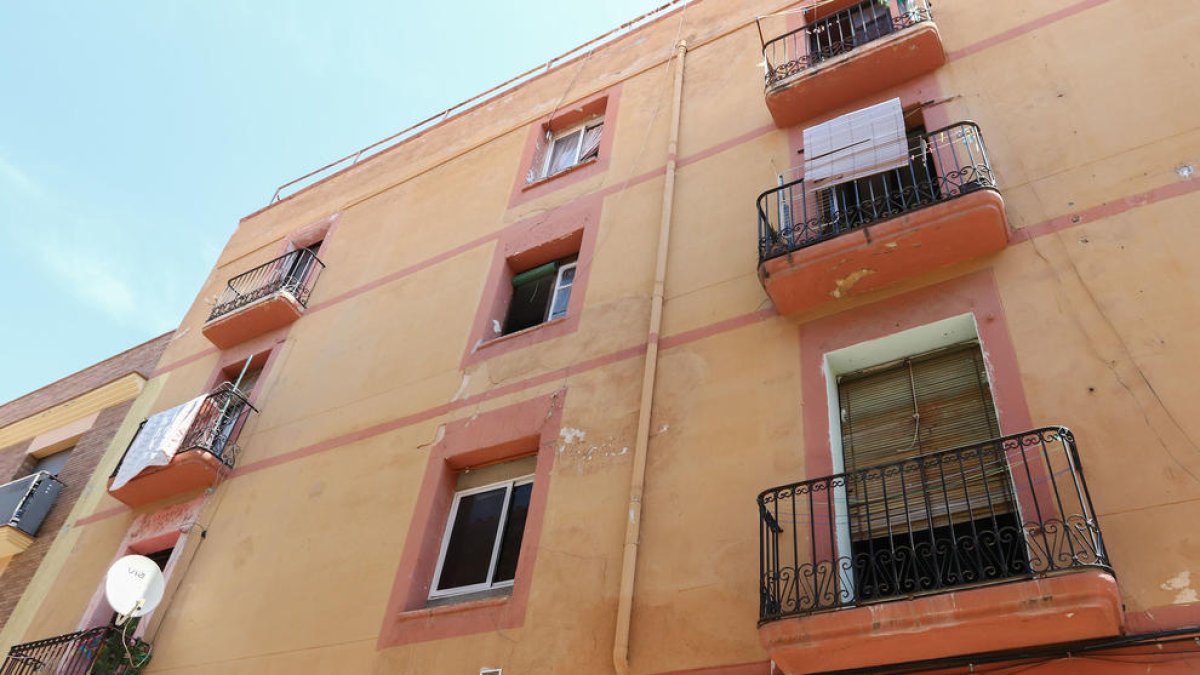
(554, 235)
(974, 294)
(167, 528)
(531, 181)
(519, 430)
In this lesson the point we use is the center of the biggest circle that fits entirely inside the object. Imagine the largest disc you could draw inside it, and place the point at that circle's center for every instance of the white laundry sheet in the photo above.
(157, 441)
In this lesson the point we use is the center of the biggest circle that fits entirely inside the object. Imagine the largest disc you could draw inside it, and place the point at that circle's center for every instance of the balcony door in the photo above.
(928, 501)
(298, 266)
(864, 22)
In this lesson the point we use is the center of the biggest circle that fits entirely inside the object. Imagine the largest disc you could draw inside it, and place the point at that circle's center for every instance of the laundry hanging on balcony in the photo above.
(860, 143)
(157, 441)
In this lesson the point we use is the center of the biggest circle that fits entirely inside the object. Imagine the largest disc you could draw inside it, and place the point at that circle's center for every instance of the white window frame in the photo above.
(852, 358)
(509, 486)
(582, 128)
(559, 287)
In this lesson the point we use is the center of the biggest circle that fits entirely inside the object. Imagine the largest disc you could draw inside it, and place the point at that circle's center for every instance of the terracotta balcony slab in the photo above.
(888, 252)
(855, 75)
(1076, 606)
(187, 471)
(261, 316)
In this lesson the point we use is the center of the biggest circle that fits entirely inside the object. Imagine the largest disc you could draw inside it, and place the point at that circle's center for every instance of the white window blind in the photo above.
(854, 145)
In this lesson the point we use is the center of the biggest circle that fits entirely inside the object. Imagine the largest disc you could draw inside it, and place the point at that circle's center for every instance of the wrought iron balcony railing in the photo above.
(25, 502)
(294, 273)
(839, 33)
(942, 165)
(96, 651)
(1011, 508)
(216, 426)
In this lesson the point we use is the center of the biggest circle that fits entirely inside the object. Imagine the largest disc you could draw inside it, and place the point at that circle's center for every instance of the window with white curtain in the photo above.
(564, 149)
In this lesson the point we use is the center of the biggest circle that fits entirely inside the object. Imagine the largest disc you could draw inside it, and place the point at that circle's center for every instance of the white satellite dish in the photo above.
(134, 586)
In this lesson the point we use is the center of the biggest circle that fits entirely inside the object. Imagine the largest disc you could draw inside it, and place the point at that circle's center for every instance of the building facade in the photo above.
(650, 364)
(51, 441)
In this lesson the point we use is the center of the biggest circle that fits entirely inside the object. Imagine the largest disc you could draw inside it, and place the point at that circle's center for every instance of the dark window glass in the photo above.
(160, 558)
(52, 464)
(529, 302)
(514, 532)
(469, 551)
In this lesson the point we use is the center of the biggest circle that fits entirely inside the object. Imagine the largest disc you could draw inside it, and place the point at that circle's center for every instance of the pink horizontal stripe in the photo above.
(718, 327)
(1025, 28)
(1107, 209)
(401, 273)
(184, 361)
(101, 515)
(445, 408)
(436, 411)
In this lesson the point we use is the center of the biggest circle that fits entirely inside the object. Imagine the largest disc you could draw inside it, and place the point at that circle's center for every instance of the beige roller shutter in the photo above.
(923, 404)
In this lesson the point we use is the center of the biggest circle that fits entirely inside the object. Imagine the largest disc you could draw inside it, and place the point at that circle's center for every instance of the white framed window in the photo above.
(562, 292)
(540, 294)
(572, 146)
(482, 541)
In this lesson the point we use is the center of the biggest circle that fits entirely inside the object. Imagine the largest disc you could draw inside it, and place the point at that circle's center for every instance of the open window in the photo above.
(483, 535)
(841, 32)
(567, 148)
(298, 265)
(540, 294)
(864, 166)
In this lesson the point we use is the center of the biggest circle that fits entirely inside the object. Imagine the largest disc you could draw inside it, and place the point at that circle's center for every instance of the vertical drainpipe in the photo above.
(637, 480)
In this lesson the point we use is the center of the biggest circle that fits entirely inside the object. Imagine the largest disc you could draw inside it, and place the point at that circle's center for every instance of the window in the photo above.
(249, 378)
(53, 464)
(565, 149)
(482, 541)
(861, 167)
(920, 509)
(299, 265)
(867, 21)
(161, 558)
(540, 294)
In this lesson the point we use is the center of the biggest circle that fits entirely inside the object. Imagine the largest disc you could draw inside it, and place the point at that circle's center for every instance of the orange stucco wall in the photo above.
(1093, 302)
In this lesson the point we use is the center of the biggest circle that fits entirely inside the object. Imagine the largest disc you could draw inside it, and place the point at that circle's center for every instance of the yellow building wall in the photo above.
(1081, 112)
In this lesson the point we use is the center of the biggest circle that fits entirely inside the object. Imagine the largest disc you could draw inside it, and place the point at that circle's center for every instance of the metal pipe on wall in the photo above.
(637, 479)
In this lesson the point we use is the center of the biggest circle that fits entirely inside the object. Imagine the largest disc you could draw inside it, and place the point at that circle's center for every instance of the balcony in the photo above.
(263, 299)
(981, 548)
(96, 651)
(205, 454)
(817, 246)
(24, 504)
(845, 53)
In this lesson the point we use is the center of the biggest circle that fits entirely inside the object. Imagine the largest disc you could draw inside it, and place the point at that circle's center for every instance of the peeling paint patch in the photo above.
(847, 282)
(577, 454)
(462, 388)
(1181, 582)
(570, 435)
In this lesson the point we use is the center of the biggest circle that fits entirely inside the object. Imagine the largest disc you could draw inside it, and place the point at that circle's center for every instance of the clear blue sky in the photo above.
(134, 134)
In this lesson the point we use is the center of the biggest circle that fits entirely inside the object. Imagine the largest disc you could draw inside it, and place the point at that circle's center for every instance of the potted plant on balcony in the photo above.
(121, 655)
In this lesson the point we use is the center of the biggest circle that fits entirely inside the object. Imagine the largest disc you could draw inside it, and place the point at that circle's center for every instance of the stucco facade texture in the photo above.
(315, 554)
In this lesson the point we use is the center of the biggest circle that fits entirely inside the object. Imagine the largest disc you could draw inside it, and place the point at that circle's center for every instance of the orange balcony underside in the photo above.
(188, 471)
(259, 317)
(873, 67)
(1076, 606)
(886, 253)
